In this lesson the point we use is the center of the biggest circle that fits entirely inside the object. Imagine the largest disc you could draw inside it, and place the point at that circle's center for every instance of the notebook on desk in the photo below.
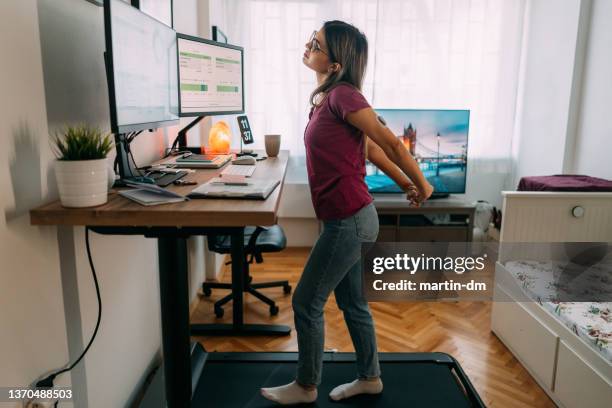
(199, 161)
(150, 194)
(216, 188)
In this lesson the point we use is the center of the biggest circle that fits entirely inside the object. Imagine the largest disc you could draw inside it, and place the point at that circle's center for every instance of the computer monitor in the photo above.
(141, 69)
(211, 77)
(437, 139)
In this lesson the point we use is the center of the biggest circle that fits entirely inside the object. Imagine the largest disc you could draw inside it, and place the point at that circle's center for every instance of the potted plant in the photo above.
(81, 168)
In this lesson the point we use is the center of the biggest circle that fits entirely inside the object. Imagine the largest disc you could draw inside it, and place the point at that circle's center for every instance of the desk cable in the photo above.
(47, 382)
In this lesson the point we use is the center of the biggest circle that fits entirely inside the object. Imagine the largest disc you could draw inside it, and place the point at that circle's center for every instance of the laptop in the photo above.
(199, 161)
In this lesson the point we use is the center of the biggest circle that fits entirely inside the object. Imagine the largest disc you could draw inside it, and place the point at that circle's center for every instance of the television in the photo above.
(437, 139)
(141, 69)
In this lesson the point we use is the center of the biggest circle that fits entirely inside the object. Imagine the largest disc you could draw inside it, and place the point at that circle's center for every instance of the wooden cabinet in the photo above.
(442, 220)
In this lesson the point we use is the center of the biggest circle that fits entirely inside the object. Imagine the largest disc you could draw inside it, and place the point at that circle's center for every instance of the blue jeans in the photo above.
(335, 265)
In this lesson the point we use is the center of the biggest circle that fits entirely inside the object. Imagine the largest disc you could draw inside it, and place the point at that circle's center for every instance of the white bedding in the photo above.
(591, 321)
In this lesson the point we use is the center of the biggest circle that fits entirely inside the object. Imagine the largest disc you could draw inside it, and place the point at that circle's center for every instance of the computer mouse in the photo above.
(249, 160)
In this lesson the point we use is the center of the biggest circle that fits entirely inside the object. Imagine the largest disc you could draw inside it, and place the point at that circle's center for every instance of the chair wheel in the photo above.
(287, 289)
(207, 291)
(273, 310)
(219, 312)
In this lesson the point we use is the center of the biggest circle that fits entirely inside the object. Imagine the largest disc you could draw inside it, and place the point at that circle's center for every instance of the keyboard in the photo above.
(165, 179)
(238, 170)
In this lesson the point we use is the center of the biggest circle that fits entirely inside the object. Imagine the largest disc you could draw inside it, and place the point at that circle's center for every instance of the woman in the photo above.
(342, 130)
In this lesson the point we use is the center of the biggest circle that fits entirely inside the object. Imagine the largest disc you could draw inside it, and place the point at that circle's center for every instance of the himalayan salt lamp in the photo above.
(219, 138)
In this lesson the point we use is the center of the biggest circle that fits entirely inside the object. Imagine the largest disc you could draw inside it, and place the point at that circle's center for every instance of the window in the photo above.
(434, 54)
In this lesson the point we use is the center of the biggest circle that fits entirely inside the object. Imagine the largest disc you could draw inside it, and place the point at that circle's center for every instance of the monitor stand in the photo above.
(181, 139)
(128, 171)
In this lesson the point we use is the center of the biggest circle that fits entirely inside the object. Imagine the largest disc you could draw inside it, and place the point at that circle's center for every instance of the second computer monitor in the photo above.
(211, 78)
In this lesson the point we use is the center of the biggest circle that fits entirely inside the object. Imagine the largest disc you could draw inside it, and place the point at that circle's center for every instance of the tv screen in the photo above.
(437, 139)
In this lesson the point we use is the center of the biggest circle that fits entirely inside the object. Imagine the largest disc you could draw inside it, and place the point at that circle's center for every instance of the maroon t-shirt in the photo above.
(335, 155)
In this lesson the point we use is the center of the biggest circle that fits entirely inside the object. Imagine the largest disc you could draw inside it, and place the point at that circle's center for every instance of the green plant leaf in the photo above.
(81, 142)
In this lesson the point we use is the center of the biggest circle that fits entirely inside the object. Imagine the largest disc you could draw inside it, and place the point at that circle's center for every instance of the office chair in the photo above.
(257, 240)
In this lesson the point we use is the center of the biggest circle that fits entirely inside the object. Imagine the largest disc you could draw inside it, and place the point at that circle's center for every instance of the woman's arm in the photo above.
(378, 157)
(381, 136)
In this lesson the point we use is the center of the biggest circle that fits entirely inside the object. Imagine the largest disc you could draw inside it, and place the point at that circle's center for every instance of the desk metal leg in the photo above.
(238, 327)
(174, 296)
(238, 277)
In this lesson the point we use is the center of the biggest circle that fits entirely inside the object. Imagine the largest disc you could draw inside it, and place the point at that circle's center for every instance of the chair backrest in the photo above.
(257, 241)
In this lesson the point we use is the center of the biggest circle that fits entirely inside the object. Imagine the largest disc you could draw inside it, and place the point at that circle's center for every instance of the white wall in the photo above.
(563, 121)
(594, 134)
(52, 73)
(32, 317)
(547, 80)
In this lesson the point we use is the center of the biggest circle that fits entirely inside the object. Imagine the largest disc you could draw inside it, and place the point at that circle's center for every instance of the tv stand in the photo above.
(437, 196)
(441, 220)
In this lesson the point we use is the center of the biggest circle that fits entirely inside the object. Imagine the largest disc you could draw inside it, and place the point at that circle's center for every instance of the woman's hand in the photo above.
(416, 195)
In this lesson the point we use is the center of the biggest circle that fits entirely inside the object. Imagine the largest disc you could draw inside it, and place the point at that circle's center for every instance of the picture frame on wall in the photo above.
(159, 9)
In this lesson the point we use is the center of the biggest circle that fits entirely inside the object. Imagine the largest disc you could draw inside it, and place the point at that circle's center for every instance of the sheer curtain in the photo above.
(432, 54)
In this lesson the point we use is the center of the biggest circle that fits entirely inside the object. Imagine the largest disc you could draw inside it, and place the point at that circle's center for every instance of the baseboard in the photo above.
(152, 393)
(149, 386)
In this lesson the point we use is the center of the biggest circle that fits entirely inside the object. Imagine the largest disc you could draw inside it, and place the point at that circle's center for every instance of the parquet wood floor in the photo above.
(461, 329)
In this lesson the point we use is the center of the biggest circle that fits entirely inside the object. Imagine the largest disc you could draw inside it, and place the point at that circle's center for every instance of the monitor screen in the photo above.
(210, 77)
(141, 64)
(437, 139)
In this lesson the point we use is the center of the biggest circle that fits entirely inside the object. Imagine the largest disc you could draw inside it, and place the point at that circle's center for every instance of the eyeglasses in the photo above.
(314, 43)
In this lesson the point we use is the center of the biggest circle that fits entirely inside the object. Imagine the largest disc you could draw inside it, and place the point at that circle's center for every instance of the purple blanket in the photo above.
(566, 182)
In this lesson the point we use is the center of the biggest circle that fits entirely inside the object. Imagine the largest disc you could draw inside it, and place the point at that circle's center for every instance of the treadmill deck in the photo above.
(410, 380)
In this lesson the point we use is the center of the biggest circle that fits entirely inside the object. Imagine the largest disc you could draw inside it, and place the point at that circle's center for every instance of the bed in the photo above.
(564, 345)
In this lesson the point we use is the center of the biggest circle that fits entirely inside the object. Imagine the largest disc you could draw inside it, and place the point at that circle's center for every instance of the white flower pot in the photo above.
(82, 183)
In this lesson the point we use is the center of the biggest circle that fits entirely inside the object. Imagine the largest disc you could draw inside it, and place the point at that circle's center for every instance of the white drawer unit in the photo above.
(569, 369)
(533, 344)
(579, 385)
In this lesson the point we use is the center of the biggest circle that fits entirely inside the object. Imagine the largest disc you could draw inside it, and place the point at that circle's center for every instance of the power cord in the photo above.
(47, 382)
(172, 151)
(136, 165)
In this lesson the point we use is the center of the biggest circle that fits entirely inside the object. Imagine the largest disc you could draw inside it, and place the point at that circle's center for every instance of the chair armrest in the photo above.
(250, 248)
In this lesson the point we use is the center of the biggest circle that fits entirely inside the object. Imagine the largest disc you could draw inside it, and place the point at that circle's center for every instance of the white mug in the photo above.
(272, 145)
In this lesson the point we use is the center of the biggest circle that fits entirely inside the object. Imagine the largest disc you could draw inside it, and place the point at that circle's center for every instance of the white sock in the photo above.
(356, 387)
(289, 394)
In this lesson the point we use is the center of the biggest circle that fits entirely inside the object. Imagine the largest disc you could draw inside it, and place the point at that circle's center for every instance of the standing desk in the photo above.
(171, 225)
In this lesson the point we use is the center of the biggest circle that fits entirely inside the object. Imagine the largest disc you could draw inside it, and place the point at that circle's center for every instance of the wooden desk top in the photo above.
(120, 211)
